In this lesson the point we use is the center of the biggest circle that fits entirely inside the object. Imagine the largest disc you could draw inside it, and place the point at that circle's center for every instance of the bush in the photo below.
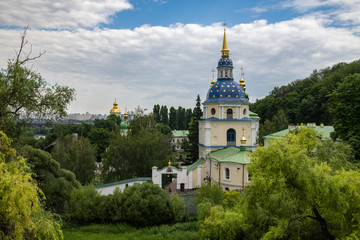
(85, 206)
(177, 207)
(145, 204)
(224, 224)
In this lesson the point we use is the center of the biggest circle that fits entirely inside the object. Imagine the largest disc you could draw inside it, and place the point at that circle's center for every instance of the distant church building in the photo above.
(124, 125)
(227, 131)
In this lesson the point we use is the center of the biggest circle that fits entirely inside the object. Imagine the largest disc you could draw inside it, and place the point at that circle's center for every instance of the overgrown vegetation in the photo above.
(301, 188)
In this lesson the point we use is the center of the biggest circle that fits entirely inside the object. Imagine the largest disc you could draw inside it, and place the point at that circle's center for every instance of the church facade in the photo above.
(227, 131)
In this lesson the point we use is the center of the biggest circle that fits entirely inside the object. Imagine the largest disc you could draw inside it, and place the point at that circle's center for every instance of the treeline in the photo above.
(329, 96)
(176, 119)
(305, 100)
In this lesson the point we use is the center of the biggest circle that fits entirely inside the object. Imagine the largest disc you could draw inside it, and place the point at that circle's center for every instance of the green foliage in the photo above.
(306, 100)
(134, 154)
(145, 204)
(76, 155)
(179, 231)
(209, 193)
(178, 208)
(21, 214)
(55, 182)
(277, 123)
(231, 199)
(207, 196)
(345, 110)
(85, 206)
(295, 193)
(24, 90)
(224, 224)
(99, 138)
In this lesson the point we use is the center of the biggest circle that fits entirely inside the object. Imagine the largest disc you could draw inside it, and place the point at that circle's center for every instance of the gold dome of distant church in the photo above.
(115, 109)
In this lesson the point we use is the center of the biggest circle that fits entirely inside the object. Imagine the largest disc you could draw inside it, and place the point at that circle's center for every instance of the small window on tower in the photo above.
(213, 111)
(244, 112)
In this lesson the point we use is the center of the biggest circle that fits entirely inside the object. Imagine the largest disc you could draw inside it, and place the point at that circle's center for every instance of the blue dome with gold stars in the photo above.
(225, 62)
(226, 90)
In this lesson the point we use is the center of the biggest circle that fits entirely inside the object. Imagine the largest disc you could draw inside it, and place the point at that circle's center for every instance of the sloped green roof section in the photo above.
(180, 133)
(253, 115)
(195, 164)
(230, 155)
(324, 131)
(124, 181)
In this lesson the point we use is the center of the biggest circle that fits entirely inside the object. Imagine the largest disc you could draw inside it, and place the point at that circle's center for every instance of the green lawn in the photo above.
(186, 231)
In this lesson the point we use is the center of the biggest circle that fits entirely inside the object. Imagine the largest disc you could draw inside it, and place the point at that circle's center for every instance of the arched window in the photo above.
(227, 189)
(229, 113)
(231, 137)
(213, 111)
(227, 173)
(244, 112)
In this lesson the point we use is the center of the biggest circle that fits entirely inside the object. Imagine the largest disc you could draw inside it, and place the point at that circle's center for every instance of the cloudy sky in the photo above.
(146, 52)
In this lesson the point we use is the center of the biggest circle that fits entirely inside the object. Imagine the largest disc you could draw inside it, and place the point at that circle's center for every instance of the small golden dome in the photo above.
(212, 81)
(115, 108)
(243, 140)
(126, 115)
(169, 163)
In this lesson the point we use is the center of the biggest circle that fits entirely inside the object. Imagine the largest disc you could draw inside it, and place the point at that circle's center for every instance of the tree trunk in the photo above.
(323, 224)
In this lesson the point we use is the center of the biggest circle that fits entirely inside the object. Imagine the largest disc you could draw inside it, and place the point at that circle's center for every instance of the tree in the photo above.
(76, 155)
(156, 112)
(55, 182)
(344, 108)
(181, 118)
(277, 123)
(188, 117)
(192, 145)
(173, 119)
(22, 90)
(297, 192)
(134, 154)
(164, 117)
(21, 214)
(146, 204)
(99, 138)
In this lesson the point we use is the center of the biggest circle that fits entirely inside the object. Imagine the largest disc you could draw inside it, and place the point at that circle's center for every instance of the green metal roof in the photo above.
(325, 132)
(253, 115)
(195, 164)
(123, 181)
(180, 133)
(230, 155)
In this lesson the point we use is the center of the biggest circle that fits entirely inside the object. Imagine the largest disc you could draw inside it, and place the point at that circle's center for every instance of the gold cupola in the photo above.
(224, 50)
(115, 109)
(243, 140)
(213, 80)
(126, 115)
(241, 81)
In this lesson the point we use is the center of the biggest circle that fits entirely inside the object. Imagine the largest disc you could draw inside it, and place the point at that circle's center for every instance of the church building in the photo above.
(227, 131)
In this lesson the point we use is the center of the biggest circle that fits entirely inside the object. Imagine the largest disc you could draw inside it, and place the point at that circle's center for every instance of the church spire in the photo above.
(241, 81)
(225, 50)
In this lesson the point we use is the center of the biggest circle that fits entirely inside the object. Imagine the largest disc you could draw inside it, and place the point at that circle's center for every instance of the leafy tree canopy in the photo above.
(22, 90)
(76, 155)
(299, 189)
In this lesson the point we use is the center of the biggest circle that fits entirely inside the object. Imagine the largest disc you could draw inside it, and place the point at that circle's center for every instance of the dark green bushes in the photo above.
(142, 205)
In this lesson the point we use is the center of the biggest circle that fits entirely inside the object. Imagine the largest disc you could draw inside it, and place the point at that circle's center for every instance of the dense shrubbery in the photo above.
(143, 204)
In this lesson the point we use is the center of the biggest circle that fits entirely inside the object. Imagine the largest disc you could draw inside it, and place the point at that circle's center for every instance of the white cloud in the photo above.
(66, 14)
(345, 12)
(171, 65)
